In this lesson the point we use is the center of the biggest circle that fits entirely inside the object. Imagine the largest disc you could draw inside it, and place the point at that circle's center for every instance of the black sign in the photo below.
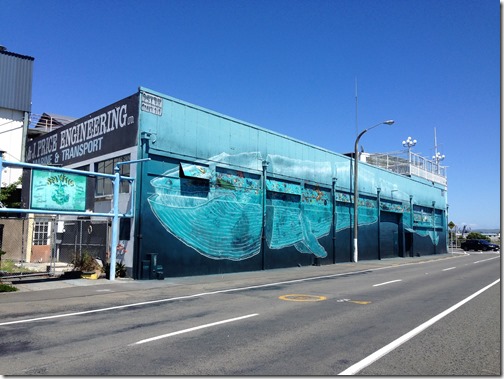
(110, 129)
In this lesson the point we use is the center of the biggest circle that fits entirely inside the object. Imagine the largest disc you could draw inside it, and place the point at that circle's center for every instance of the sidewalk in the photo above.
(28, 284)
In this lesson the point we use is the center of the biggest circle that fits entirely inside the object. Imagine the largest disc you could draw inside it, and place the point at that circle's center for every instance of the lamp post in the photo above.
(356, 188)
(438, 157)
(409, 143)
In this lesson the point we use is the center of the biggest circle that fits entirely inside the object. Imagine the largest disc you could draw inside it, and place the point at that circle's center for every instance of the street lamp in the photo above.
(356, 188)
(438, 157)
(409, 143)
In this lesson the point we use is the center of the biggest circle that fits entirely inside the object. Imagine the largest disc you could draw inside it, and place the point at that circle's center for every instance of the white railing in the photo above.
(408, 163)
(48, 123)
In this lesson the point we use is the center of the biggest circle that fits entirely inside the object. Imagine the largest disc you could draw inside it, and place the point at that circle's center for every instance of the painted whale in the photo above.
(225, 221)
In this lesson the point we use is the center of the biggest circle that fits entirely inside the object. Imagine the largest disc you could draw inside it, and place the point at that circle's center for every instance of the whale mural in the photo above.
(217, 206)
(222, 223)
(223, 219)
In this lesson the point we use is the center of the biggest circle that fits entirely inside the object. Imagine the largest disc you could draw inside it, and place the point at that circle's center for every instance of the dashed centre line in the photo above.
(448, 269)
(382, 284)
(192, 329)
(488, 259)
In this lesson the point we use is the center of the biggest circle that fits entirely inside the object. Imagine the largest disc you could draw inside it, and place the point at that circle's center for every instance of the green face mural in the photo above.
(58, 191)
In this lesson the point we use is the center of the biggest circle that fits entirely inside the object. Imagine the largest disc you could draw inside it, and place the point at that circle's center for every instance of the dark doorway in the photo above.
(389, 234)
(408, 244)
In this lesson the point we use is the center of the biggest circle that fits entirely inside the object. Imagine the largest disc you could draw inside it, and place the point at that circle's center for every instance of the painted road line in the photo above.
(382, 284)
(354, 369)
(448, 269)
(361, 302)
(237, 289)
(193, 329)
(297, 297)
(488, 259)
(196, 295)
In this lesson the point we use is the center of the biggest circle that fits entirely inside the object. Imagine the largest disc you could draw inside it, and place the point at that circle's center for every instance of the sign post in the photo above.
(115, 219)
(451, 225)
(61, 197)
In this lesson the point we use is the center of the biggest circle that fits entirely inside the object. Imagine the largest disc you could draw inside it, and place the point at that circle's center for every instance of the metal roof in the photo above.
(16, 76)
(50, 121)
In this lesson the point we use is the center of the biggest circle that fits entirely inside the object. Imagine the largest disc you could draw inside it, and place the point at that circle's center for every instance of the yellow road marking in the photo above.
(297, 297)
(353, 301)
(359, 302)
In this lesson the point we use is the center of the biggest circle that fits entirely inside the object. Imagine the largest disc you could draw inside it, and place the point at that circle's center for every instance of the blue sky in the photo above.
(290, 66)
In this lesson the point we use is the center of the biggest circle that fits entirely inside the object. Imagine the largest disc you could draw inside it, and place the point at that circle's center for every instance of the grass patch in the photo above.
(10, 266)
(4, 287)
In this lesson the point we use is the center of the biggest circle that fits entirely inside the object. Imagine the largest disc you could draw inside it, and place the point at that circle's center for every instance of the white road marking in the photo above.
(193, 329)
(448, 269)
(354, 369)
(207, 293)
(193, 296)
(488, 259)
(382, 284)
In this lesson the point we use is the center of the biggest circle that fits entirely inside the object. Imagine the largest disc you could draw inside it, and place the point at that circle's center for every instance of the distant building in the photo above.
(45, 123)
(16, 73)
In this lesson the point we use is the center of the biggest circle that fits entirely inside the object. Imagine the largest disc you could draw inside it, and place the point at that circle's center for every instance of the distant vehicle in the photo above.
(479, 245)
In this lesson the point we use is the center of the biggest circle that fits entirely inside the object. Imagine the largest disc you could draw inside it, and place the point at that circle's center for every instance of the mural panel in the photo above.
(424, 223)
(217, 206)
(222, 223)
(218, 211)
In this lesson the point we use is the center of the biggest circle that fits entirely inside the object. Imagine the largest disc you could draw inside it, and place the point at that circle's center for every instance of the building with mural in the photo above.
(221, 195)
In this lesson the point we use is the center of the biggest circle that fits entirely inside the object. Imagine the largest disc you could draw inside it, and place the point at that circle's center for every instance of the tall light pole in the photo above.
(438, 157)
(409, 143)
(356, 188)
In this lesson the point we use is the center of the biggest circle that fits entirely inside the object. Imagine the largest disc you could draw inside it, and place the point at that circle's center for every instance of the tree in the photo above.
(477, 236)
(8, 195)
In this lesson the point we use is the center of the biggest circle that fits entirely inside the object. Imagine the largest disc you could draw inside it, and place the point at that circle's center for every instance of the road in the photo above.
(439, 317)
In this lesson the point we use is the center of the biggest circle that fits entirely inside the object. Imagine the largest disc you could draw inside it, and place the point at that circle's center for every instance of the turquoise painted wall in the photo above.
(217, 186)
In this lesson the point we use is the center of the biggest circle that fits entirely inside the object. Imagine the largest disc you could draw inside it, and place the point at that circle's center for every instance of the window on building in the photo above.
(82, 168)
(41, 232)
(105, 186)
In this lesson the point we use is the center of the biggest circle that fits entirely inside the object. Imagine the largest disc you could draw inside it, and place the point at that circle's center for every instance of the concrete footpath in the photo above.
(30, 284)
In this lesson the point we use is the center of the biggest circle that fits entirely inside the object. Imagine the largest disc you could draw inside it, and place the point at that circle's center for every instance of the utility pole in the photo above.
(356, 111)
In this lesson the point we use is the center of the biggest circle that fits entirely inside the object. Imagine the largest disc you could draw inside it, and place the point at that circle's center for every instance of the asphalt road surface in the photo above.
(439, 317)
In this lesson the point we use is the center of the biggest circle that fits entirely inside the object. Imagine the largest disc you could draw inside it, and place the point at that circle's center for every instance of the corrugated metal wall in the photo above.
(220, 195)
(16, 75)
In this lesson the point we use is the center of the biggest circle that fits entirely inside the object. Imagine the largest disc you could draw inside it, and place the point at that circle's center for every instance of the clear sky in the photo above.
(290, 66)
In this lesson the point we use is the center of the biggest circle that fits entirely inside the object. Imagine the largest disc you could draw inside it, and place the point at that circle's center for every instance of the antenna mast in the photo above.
(435, 143)
(356, 109)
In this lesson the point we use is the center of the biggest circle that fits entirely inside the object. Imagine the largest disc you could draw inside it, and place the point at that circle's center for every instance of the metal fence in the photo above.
(82, 236)
(53, 239)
